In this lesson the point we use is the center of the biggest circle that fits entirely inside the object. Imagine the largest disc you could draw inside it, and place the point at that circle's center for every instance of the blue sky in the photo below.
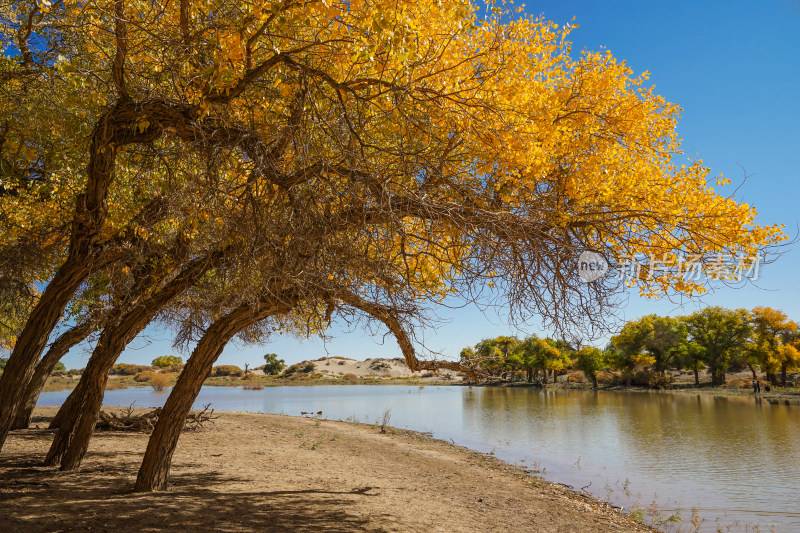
(734, 67)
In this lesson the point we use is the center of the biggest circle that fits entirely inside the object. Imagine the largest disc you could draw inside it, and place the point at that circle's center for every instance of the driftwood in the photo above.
(146, 422)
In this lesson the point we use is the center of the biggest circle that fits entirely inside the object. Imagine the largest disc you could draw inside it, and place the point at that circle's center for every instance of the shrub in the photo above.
(660, 380)
(159, 382)
(124, 369)
(300, 368)
(350, 377)
(142, 377)
(605, 377)
(168, 361)
(575, 377)
(59, 370)
(274, 365)
(74, 372)
(226, 370)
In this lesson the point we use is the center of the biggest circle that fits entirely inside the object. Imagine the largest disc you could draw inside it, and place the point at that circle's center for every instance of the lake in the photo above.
(734, 461)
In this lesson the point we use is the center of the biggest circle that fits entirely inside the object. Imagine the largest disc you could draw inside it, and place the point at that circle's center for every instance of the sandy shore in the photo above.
(256, 472)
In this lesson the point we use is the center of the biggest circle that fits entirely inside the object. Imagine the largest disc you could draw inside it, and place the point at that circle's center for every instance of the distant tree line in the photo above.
(645, 351)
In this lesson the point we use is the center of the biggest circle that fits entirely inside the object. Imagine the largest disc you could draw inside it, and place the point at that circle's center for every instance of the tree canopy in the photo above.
(239, 168)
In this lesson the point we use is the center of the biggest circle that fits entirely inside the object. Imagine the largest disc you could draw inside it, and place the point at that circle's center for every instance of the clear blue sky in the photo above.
(734, 67)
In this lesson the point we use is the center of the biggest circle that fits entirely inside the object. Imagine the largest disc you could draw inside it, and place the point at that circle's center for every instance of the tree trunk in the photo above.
(65, 408)
(84, 425)
(66, 420)
(752, 370)
(696, 376)
(154, 471)
(593, 377)
(33, 338)
(73, 436)
(45, 367)
(89, 216)
(783, 374)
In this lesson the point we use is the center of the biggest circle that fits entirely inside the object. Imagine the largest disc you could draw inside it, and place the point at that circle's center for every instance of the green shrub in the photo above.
(226, 370)
(274, 365)
(125, 369)
(74, 372)
(300, 368)
(59, 370)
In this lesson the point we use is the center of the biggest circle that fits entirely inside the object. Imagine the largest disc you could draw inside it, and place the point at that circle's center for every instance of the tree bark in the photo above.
(57, 350)
(696, 376)
(61, 415)
(154, 470)
(31, 342)
(90, 214)
(76, 430)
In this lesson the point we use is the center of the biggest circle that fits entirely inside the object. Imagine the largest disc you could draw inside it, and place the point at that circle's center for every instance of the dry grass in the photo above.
(159, 382)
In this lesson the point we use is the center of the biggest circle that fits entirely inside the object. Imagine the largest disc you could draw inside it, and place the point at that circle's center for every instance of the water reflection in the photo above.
(736, 460)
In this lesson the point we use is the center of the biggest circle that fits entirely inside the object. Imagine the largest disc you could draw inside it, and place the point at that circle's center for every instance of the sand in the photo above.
(257, 472)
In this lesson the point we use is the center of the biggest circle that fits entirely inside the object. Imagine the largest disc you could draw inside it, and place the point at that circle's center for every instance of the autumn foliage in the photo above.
(242, 168)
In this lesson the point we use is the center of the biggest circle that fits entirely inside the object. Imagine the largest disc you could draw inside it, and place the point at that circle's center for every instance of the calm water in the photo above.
(735, 460)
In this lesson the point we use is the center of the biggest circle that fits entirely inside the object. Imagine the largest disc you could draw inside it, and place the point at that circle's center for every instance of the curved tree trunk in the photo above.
(31, 342)
(154, 471)
(45, 367)
(61, 415)
(75, 431)
(65, 421)
(89, 216)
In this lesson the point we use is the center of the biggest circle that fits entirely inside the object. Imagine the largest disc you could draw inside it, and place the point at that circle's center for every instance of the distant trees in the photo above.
(644, 350)
(273, 365)
(774, 342)
(720, 334)
(590, 361)
(168, 361)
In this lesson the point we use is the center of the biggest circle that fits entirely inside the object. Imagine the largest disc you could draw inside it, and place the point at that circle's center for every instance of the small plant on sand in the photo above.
(387, 415)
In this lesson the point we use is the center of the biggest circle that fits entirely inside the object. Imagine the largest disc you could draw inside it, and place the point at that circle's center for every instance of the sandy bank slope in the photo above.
(251, 472)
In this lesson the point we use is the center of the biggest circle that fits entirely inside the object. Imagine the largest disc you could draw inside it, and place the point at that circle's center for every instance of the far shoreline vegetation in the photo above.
(713, 351)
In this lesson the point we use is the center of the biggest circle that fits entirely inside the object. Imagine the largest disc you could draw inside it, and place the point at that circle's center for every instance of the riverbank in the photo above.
(258, 472)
